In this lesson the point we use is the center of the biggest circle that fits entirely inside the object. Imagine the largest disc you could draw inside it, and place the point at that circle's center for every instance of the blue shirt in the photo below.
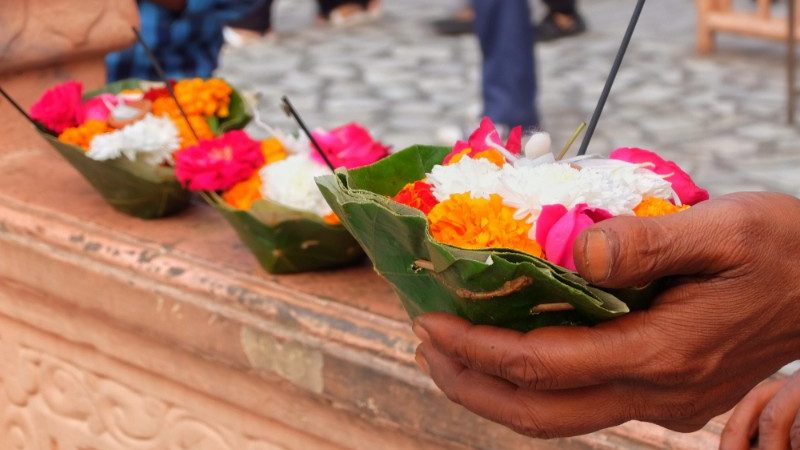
(186, 43)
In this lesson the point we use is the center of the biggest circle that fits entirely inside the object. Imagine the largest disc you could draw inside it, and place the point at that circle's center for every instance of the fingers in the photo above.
(794, 433)
(543, 415)
(775, 423)
(544, 359)
(629, 251)
(743, 423)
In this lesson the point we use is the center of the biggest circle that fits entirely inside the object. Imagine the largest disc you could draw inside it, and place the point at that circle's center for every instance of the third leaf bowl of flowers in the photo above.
(122, 137)
(486, 232)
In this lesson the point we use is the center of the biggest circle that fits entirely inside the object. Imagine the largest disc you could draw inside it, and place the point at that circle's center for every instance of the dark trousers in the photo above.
(259, 18)
(509, 74)
(561, 6)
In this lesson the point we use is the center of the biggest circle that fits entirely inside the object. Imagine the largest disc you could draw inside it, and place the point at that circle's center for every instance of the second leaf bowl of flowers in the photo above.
(266, 191)
(486, 233)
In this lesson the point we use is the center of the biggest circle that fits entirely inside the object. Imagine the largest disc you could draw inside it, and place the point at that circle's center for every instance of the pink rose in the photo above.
(557, 229)
(480, 139)
(349, 146)
(218, 164)
(689, 192)
(59, 107)
(97, 108)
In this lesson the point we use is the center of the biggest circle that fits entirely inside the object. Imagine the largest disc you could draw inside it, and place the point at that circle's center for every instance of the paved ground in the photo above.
(720, 116)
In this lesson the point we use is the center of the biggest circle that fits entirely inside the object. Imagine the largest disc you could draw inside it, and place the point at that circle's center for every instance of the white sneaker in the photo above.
(239, 37)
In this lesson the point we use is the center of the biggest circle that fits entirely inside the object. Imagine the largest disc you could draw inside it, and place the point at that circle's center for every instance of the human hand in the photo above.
(771, 413)
(729, 318)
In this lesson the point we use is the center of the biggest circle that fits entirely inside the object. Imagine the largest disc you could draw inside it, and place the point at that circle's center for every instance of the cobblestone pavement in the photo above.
(720, 116)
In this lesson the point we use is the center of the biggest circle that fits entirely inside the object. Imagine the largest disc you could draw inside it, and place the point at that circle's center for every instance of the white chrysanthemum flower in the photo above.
(621, 186)
(529, 188)
(291, 183)
(478, 177)
(151, 140)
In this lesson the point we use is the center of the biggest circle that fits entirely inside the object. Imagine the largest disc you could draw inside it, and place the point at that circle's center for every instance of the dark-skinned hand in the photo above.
(729, 318)
(768, 415)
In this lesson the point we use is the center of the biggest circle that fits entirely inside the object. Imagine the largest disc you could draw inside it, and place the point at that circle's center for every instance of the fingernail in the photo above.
(420, 332)
(422, 362)
(599, 251)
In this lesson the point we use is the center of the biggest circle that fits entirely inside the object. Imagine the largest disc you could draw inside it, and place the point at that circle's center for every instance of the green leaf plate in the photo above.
(285, 240)
(132, 187)
(496, 287)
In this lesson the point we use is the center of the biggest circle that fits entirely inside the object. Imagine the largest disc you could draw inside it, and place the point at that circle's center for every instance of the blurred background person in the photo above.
(257, 22)
(562, 20)
(185, 35)
(509, 75)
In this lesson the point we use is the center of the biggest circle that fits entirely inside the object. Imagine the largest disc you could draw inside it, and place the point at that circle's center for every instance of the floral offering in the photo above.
(123, 138)
(485, 229)
(266, 190)
(487, 195)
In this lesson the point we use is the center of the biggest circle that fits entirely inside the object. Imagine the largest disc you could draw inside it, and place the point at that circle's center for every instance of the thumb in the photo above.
(630, 251)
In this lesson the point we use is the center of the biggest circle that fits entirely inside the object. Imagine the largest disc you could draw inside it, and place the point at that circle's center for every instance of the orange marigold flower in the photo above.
(417, 195)
(83, 134)
(273, 150)
(332, 219)
(466, 222)
(655, 207)
(490, 155)
(243, 194)
(198, 98)
(200, 126)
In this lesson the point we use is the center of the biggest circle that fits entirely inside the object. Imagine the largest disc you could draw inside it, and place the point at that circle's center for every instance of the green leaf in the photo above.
(285, 240)
(114, 88)
(239, 115)
(131, 187)
(494, 287)
(213, 123)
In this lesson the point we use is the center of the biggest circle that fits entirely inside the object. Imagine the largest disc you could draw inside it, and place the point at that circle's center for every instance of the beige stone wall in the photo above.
(39, 33)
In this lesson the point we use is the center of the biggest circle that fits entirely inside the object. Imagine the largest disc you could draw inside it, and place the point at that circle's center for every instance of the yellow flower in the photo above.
(242, 195)
(465, 222)
(82, 135)
(273, 150)
(655, 207)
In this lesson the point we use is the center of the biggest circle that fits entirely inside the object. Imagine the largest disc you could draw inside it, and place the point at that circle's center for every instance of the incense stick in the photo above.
(587, 138)
(291, 112)
(163, 76)
(22, 111)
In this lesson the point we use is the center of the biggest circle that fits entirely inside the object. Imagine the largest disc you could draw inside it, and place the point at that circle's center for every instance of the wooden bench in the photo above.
(722, 16)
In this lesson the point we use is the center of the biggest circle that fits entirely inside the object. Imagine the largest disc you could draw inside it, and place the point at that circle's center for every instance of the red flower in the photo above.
(157, 92)
(417, 195)
(557, 229)
(480, 139)
(689, 192)
(218, 164)
(349, 146)
(60, 107)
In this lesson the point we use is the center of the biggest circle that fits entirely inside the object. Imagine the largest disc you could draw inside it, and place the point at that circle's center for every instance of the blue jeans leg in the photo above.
(509, 73)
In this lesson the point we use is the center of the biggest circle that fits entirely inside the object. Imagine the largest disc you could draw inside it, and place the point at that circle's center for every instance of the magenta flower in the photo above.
(683, 185)
(218, 164)
(59, 107)
(557, 229)
(481, 138)
(97, 108)
(349, 146)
